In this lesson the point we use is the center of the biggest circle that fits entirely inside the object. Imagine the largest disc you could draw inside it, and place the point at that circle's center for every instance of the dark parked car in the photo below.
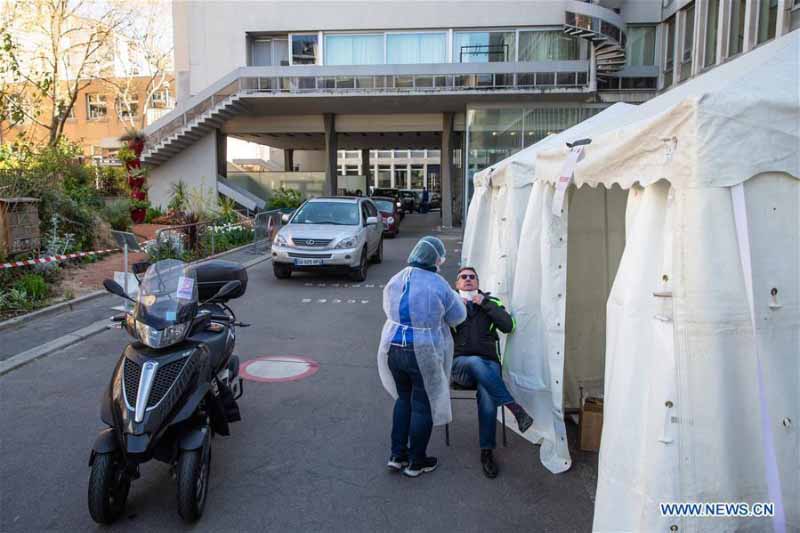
(390, 215)
(436, 200)
(391, 193)
(410, 200)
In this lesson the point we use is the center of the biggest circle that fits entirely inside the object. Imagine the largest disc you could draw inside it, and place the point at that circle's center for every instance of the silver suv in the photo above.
(331, 233)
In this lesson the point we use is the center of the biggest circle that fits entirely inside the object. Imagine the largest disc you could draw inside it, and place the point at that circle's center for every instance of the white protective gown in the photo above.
(426, 314)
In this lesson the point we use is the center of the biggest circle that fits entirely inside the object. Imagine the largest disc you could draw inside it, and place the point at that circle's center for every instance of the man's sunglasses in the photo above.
(467, 276)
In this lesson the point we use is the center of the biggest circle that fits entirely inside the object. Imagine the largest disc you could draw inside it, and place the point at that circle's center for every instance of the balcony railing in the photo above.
(446, 78)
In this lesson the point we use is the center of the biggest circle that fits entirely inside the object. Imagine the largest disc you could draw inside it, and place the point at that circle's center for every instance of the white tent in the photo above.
(672, 278)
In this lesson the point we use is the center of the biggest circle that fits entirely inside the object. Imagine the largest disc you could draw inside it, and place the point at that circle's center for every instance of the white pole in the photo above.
(125, 271)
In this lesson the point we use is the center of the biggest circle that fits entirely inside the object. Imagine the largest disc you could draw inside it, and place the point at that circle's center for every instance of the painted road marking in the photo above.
(306, 300)
(278, 368)
(332, 301)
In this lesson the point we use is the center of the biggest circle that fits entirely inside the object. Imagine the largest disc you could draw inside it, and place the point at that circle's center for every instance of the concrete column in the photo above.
(446, 170)
(366, 169)
(288, 160)
(222, 154)
(331, 155)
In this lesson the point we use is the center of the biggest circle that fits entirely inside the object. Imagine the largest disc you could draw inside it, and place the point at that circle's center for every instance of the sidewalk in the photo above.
(41, 330)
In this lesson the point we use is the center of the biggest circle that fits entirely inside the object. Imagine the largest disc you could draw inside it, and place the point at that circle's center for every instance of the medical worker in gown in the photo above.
(416, 354)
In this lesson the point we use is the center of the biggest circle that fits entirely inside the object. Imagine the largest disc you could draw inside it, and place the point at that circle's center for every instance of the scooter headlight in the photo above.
(161, 338)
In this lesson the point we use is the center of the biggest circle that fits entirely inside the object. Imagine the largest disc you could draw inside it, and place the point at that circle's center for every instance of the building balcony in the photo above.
(459, 82)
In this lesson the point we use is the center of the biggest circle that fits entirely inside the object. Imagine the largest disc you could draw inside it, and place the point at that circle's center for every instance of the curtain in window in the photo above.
(353, 49)
(641, 46)
(547, 46)
(261, 52)
(410, 48)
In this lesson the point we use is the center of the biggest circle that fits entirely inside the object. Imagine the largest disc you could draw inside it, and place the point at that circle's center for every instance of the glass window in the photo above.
(640, 49)
(129, 108)
(364, 49)
(548, 46)
(384, 176)
(669, 51)
(483, 47)
(688, 43)
(305, 49)
(267, 51)
(712, 23)
(400, 177)
(96, 107)
(767, 20)
(407, 48)
(417, 176)
(736, 37)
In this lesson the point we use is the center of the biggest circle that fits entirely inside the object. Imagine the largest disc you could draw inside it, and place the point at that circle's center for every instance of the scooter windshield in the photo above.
(167, 295)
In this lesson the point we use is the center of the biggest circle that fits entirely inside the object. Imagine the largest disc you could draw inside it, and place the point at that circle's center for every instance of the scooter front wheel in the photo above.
(194, 467)
(108, 488)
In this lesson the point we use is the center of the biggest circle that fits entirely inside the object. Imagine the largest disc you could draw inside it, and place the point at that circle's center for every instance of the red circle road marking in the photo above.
(278, 368)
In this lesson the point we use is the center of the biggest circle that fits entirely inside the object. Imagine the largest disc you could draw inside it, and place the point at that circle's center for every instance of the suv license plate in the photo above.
(308, 262)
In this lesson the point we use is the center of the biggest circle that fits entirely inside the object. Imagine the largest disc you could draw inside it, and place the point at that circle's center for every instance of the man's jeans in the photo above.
(486, 376)
(412, 418)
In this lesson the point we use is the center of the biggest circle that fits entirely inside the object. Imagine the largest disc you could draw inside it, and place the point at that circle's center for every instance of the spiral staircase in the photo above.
(607, 39)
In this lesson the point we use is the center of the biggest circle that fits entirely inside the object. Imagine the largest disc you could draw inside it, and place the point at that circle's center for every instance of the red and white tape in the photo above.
(55, 258)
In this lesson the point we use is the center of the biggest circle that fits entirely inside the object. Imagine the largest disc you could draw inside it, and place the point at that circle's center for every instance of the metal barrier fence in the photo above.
(200, 239)
(265, 226)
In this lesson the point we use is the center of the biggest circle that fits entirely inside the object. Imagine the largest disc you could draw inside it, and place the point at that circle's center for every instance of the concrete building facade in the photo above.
(464, 84)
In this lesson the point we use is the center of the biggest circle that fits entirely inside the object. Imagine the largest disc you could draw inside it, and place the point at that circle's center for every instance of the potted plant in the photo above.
(136, 178)
(135, 139)
(139, 209)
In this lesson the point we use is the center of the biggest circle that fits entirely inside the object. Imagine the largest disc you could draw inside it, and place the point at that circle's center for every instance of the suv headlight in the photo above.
(280, 240)
(161, 338)
(390, 220)
(347, 242)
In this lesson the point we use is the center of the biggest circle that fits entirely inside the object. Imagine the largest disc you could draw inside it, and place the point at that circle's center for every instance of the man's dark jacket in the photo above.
(477, 335)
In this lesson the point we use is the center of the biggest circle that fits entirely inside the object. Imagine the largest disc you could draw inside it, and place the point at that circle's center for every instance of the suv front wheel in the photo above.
(360, 272)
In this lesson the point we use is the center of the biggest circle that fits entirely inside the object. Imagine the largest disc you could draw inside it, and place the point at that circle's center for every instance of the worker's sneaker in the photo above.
(428, 464)
(489, 466)
(397, 463)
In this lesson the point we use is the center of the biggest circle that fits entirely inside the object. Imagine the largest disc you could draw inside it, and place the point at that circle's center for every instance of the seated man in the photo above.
(476, 362)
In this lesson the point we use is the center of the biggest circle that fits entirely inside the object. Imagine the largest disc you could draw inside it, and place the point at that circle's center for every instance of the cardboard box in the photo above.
(591, 424)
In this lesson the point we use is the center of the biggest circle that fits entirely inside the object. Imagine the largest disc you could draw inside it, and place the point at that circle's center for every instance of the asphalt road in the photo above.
(309, 455)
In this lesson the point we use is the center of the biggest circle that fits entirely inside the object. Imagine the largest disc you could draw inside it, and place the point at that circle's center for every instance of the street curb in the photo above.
(12, 322)
(16, 361)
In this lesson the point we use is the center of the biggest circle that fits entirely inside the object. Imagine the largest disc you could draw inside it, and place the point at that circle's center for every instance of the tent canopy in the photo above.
(694, 134)
(684, 286)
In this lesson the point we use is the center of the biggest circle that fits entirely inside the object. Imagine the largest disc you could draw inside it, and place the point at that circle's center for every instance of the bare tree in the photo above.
(143, 62)
(58, 48)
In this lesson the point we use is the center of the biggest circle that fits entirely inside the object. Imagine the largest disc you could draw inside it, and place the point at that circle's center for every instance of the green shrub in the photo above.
(285, 198)
(118, 214)
(34, 286)
(153, 213)
(179, 197)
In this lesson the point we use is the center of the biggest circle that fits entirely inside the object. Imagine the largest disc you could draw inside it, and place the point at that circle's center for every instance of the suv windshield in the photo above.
(167, 294)
(386, 206)
(337, 213)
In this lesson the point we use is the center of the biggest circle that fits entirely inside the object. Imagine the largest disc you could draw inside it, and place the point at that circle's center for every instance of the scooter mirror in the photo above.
(284, 219)
(229, 288)
(114, 288)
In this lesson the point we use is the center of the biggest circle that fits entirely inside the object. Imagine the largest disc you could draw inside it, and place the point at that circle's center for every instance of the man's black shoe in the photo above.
(428, 464)
(397, 463)
(489, 466)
